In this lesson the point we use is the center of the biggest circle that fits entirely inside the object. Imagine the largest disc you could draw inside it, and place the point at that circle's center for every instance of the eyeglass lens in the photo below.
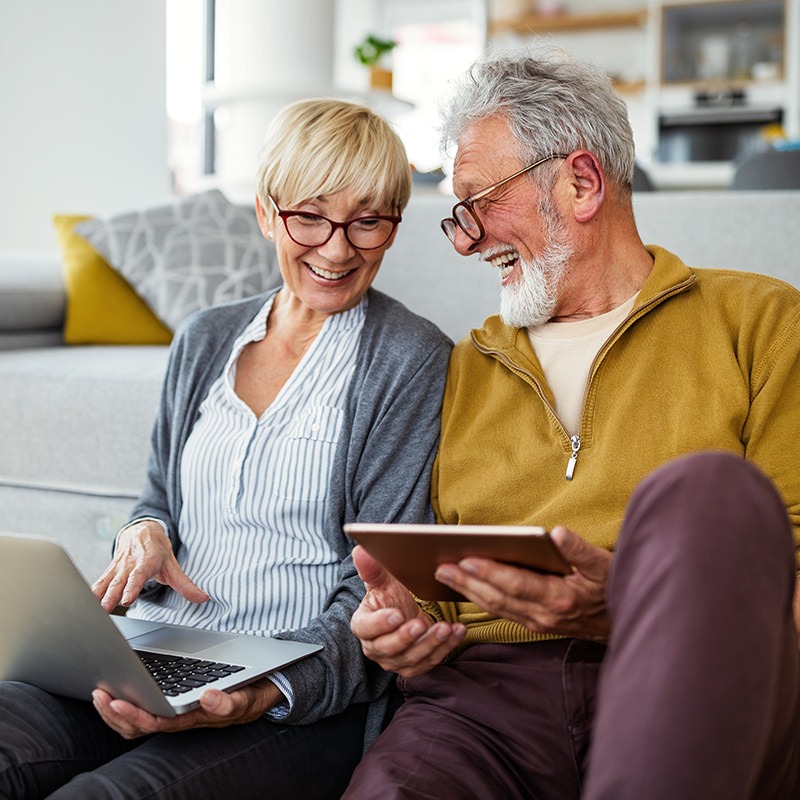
(311, 230)
(462, 218)
(467, 221)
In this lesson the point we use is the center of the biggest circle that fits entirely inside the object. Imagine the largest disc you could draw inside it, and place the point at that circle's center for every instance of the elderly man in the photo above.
(648, 413)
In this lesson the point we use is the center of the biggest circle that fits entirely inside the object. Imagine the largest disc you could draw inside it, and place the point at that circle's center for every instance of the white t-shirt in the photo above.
(566, 351)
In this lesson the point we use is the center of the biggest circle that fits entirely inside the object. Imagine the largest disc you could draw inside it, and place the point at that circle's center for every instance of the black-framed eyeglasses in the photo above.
(464, 215)
(314, 230)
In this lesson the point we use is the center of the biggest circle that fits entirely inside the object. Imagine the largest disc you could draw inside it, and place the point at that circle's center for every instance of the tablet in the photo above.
(412, 552)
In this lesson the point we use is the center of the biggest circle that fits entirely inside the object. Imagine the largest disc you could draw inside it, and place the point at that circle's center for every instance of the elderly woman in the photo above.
(282, 417)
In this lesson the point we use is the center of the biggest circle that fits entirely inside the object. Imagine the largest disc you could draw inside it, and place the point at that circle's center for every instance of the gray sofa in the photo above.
(75, 420)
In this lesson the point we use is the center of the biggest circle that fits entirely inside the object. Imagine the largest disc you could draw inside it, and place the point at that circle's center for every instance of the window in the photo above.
(436, 42)
(216, 140)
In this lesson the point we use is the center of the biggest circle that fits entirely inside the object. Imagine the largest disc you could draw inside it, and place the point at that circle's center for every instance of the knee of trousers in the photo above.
(713, 505)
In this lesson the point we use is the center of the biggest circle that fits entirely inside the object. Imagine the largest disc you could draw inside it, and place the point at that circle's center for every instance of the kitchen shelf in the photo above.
(562, 23)
(628, 87)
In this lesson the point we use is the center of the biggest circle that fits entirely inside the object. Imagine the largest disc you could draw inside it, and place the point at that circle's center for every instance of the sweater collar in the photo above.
(668, 276)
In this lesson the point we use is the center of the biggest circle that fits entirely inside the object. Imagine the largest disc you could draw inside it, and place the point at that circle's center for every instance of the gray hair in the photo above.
(552, 104)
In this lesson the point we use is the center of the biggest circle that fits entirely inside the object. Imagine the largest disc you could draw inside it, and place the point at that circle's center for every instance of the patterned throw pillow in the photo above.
(197, 251)
(101, 308)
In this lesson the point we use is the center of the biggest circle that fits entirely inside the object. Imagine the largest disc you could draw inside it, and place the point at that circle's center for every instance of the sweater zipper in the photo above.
(575, 441)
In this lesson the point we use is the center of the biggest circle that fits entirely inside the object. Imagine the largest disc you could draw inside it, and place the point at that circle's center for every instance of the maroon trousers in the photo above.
(697, 695)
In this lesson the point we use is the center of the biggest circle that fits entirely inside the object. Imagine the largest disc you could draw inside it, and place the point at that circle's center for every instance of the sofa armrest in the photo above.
(32, 297)
(20, 340)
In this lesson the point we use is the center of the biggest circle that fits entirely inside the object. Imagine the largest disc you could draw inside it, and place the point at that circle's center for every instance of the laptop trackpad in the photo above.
(184, 640)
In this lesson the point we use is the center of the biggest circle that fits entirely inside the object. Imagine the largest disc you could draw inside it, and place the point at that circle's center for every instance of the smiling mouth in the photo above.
(327, 275)
(505, 262)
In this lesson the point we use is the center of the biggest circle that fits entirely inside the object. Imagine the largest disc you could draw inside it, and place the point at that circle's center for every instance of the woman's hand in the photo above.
(393, 629)
(573, 604)
(217, 710)
(143, 551)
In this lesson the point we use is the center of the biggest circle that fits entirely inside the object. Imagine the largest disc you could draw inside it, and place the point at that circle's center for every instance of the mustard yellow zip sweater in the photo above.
(707, 359)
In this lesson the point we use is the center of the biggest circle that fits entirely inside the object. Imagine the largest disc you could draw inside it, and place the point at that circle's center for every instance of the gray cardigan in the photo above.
(381, 470)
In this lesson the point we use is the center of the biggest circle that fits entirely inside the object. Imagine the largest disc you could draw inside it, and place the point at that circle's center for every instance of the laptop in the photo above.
(55, 634)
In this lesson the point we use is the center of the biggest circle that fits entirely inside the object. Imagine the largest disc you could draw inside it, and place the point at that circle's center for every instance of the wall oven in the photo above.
(713, 132)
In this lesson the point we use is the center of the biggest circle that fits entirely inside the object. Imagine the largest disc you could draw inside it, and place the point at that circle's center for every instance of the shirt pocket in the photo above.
(305, 455)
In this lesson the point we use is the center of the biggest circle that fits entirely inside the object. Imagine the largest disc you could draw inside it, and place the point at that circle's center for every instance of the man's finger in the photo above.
(593, 562)
(369, 570)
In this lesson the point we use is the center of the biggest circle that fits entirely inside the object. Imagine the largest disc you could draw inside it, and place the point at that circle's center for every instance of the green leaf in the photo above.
(372, 49)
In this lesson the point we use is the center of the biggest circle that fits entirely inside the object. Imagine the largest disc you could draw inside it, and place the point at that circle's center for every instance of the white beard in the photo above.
(531, 299)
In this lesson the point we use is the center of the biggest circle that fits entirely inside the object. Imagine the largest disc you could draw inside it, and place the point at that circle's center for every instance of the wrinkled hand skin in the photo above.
(572, 605)
(143, 552)
(217, 710)
(393, 629)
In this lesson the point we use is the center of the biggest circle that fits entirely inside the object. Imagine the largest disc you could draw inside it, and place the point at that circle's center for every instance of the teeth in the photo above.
(331, 276)
(505, 262)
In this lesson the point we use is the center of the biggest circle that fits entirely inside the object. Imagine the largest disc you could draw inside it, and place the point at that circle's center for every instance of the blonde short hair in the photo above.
(321, 146)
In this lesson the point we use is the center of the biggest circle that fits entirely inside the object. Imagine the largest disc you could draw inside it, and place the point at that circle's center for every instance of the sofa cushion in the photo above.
(196, 251)
(78, 419)
(84, 524)
(102, 308)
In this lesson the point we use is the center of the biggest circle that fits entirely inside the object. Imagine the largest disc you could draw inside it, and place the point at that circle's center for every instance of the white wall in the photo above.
(82, 99)
(268, 53)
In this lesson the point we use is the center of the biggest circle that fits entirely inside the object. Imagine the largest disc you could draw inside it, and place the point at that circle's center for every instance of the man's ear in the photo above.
(588, 184)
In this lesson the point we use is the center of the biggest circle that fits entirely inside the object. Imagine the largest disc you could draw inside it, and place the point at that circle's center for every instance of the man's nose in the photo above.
(463, 244)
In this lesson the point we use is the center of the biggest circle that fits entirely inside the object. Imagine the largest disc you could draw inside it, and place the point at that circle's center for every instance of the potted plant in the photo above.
(369, 53)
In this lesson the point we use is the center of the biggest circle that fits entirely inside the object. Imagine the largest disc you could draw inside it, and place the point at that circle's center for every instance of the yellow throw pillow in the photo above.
(102, 308)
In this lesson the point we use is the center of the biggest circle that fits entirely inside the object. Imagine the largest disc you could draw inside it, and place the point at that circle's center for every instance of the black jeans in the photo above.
(56, 747)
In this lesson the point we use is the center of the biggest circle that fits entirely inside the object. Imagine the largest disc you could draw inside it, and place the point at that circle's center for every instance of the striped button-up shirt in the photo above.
(255, 491)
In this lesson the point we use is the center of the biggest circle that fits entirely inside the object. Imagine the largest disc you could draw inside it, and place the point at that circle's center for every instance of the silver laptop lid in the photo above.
(55, 634)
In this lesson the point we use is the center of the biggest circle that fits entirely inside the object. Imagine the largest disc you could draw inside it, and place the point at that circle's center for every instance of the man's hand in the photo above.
(143, 552)
(573, 605)
(217, 710)
(393, 629)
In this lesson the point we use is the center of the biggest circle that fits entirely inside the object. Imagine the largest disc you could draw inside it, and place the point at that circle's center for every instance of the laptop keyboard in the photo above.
(178, 674)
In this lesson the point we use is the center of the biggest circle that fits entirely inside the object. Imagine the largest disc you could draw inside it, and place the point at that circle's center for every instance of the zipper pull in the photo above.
(575, 441)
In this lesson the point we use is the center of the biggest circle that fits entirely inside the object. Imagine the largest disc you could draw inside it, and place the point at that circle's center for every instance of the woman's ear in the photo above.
(588, 184)
(264, 223)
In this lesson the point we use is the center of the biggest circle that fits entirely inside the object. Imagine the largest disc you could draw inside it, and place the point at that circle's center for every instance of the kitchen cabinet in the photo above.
(728, 80)
(731, 41)
(701, 80)
(560, 22)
